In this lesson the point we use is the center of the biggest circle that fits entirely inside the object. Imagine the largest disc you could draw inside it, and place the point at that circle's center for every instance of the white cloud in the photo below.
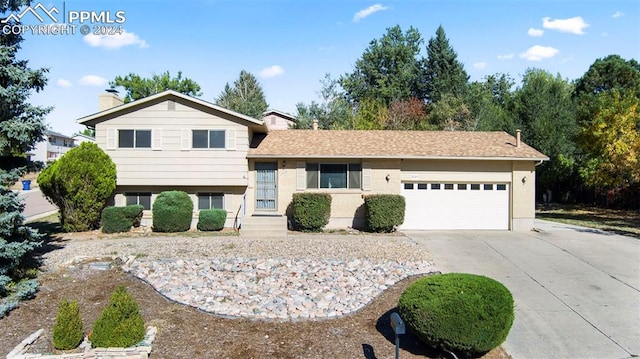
(537, 53)
(93, 80)
(368, 11)
(505, 56)
(617, 14)
(573, 25)
(271, 71)
(115, 41)
(65, 84)
(535, 32)
(479, 65)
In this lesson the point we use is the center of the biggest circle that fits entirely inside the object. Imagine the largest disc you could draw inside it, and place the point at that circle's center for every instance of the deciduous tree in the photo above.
(245, 96)
(137, 87)
(332, 112)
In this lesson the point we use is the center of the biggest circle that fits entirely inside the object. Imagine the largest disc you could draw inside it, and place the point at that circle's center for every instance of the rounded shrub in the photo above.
(120, 323)
(67, 331)
(80, 183)
(310, 212)
(465, 313)
(114, 220)
(172, 212)
(134, 212)
(211, 219)
(384, 212)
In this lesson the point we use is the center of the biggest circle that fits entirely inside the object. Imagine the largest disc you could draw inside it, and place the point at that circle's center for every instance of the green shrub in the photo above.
(211, 219)
(172, 212)
(67, 331)
(114, 220)
(384, 212)
(311, 211)
(134, 212)
(467, 313)
(120, 323)
(79, 184)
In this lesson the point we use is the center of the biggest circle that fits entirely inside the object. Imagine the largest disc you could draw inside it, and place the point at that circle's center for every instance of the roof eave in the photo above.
(473, 158)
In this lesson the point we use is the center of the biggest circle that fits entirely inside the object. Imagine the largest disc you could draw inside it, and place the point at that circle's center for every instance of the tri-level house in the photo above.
(223, 159)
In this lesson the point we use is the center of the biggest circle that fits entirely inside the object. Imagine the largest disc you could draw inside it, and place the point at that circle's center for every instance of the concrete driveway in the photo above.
(576, 290)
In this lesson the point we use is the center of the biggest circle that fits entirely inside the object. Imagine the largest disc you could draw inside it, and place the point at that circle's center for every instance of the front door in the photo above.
(266, 186)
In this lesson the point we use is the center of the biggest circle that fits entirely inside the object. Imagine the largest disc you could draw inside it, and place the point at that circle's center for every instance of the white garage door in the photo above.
(456, 205)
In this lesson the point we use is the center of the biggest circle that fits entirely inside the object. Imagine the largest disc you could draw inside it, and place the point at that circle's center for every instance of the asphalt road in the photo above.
(36, 206)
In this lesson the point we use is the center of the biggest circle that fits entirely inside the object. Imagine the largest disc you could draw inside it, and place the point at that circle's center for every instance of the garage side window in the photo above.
(334, 175)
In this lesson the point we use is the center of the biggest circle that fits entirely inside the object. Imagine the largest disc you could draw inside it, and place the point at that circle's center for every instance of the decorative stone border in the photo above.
(140, 351)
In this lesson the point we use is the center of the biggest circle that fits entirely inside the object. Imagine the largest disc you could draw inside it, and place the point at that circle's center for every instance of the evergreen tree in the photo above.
(21, 127)
(444, 73)
(246, 96)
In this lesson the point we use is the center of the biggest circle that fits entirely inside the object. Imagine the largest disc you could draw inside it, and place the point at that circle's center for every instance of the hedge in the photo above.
(121, 219)
(172, 212)
(465, 313)
(384, 212)
(211, 219)
(310, 211)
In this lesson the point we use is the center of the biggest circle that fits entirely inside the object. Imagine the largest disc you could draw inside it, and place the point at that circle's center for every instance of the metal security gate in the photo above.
(266, 185)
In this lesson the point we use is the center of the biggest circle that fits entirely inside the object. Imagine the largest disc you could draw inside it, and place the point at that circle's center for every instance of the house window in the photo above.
(141, 198)
(134, 138)
(210, 201)
(208, 139)
(334, 175)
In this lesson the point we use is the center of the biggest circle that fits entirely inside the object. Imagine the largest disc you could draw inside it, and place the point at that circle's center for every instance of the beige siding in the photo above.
(167, 164)
(523, 207)
(346, 204)
(456, 171)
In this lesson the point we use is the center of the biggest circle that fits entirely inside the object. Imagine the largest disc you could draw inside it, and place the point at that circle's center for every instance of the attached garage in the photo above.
(473, 205)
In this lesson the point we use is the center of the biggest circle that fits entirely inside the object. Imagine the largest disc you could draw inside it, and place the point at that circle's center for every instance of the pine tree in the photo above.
(246, 96)
(21, 126)
(444, 73)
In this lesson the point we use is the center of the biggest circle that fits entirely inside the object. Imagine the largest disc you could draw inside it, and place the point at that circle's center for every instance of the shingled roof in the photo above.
(391, 144)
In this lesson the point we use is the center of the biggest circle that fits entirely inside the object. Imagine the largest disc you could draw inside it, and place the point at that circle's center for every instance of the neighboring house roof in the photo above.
(159, 97)
(57, 134)
(284, 115)
(84, 136)
(391, 144)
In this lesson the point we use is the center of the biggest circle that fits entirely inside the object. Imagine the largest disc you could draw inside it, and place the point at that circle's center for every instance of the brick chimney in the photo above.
(518, 138)
(315, 125)
(109, 99)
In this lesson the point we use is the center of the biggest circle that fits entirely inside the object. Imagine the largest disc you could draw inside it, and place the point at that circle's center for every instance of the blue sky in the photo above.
(290, 45)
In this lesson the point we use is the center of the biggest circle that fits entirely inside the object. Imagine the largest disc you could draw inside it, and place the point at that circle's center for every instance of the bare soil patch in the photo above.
(185, 332)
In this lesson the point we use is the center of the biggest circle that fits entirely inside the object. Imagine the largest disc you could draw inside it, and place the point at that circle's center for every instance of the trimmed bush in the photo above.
(134, 212)
(211, 219)
(79, 184)
(172, 212)
(121, 219)
(465, 313)
(67, 331)
(120, 323)
(384, 212)
(114, 220)
(310, 211)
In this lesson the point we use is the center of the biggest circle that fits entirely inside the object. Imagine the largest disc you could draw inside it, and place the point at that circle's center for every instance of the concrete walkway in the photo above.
(576, 290)
(36, 206)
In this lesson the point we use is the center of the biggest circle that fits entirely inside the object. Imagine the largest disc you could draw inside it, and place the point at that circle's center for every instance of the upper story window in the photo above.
(134, 138)
(334, 175)
(208, 138)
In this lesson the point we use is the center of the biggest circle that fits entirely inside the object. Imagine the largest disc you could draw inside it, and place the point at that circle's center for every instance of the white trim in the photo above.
(366, 176)
(111, 138)
(230, 139)
(156, 139)
(185, 139)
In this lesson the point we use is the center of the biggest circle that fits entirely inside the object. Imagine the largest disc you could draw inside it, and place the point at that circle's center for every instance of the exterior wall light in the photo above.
(388, 177)
(524, 179)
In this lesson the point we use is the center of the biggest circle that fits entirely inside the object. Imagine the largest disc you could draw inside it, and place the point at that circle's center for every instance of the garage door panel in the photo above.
(456, 208)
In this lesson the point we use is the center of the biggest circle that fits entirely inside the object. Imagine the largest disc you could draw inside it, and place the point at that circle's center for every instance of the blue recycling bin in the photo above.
(26, 185)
